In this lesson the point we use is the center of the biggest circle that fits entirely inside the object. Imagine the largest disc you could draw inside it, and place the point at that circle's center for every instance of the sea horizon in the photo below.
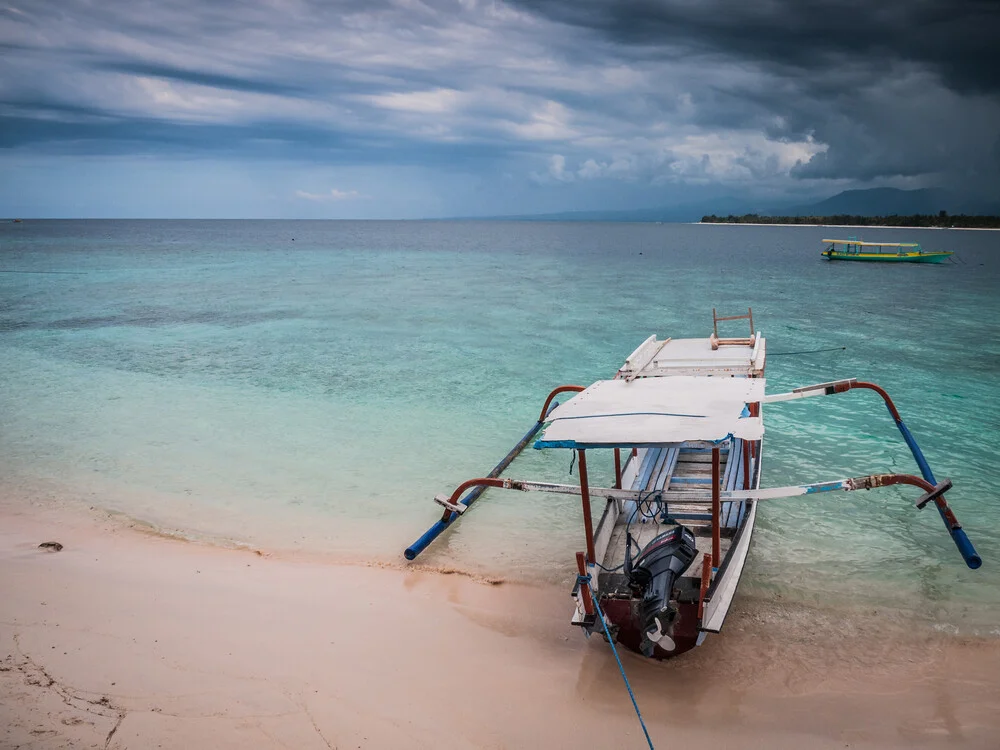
(478, 219)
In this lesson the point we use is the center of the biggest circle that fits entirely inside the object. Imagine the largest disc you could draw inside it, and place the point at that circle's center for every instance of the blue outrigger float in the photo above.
(663, 563)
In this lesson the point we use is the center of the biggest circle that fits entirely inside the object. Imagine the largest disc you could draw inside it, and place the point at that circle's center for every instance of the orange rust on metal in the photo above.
(939, 501)
(884, 480)
(479, 482)
(618, 468)
(588, 522)
(880, 391)
(588, 602)
(946, 511)
(716, 510)
(706, 580)
(556, 392)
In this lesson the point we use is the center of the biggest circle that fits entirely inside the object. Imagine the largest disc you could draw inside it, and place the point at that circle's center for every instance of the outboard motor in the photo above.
(653, 573)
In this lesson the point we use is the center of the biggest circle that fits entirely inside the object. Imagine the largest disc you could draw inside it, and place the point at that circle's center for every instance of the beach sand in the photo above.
(124, 639)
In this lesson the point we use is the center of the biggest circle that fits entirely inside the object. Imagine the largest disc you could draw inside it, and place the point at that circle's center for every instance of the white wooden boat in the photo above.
(682, 421)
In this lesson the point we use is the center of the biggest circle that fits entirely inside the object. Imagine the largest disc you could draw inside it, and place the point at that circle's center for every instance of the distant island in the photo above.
(941, 219)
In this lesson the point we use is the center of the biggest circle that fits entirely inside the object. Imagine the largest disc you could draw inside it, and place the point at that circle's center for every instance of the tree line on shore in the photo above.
(941, 219)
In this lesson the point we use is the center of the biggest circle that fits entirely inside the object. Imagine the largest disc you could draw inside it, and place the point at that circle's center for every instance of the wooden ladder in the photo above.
(717, 342)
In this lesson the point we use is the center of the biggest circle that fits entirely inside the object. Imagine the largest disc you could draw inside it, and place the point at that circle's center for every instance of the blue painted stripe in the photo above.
(658, 469)
(648, 461)
(732, 510)
(824, 487)
(631, 414)
(541, 444)
(668, 469)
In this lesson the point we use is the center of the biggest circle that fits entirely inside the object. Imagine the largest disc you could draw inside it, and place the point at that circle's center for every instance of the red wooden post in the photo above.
(588, 522)
(706, 579)
(716, 510)
(618, 468)
(556, 392)
(588, 602)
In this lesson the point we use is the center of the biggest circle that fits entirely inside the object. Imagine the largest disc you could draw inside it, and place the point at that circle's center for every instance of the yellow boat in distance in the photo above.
(881, 252)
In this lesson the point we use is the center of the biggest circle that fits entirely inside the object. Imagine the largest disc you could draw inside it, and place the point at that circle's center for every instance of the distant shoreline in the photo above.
(942, 220)
(841, 226)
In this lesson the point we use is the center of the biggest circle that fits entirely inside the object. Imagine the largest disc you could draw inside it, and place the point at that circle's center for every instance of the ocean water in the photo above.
(310, 386)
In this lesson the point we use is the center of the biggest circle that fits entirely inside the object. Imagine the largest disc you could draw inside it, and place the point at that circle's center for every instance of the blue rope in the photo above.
(604, 624)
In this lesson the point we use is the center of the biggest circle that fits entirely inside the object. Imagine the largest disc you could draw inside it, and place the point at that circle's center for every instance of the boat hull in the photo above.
(624, 615)
(693, 621)
(889, 257)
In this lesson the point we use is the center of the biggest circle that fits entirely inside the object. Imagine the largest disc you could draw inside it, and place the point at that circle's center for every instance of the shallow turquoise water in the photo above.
(312, 385)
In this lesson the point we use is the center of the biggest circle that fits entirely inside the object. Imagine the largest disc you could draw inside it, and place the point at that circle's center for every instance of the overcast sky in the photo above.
(408, 109)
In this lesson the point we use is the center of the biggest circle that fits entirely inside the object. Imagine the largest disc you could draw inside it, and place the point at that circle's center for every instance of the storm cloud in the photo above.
(552, 97)
(892, 89)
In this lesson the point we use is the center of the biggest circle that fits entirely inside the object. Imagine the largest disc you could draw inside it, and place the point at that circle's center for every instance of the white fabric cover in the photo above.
(656, 411)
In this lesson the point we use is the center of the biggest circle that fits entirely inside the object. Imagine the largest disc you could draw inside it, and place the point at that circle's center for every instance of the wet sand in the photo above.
(125, 640)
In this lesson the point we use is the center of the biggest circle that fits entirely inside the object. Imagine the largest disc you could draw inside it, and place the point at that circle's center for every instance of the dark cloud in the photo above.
(200, 78)
(955, 38)
(584, 90)
(80, 80)
(893, 89)
(102, 135)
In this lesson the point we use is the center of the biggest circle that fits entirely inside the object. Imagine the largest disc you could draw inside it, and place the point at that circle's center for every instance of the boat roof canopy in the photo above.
(873, 244)
(672, 357)
(656, 411)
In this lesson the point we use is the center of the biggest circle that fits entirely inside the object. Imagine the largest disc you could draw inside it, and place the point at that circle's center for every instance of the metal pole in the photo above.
(588, 522)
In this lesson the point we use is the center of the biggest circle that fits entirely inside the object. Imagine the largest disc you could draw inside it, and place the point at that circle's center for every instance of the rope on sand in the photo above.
(604, 624)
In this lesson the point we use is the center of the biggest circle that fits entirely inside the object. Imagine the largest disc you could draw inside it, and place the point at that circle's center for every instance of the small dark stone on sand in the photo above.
(51, 546)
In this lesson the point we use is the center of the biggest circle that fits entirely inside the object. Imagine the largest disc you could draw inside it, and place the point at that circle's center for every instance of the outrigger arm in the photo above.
(455, 507)
(870, 482)
(958, 535)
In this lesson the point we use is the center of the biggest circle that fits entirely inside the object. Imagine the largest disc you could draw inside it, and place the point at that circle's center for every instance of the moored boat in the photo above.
(881, 252)
(682, 422)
